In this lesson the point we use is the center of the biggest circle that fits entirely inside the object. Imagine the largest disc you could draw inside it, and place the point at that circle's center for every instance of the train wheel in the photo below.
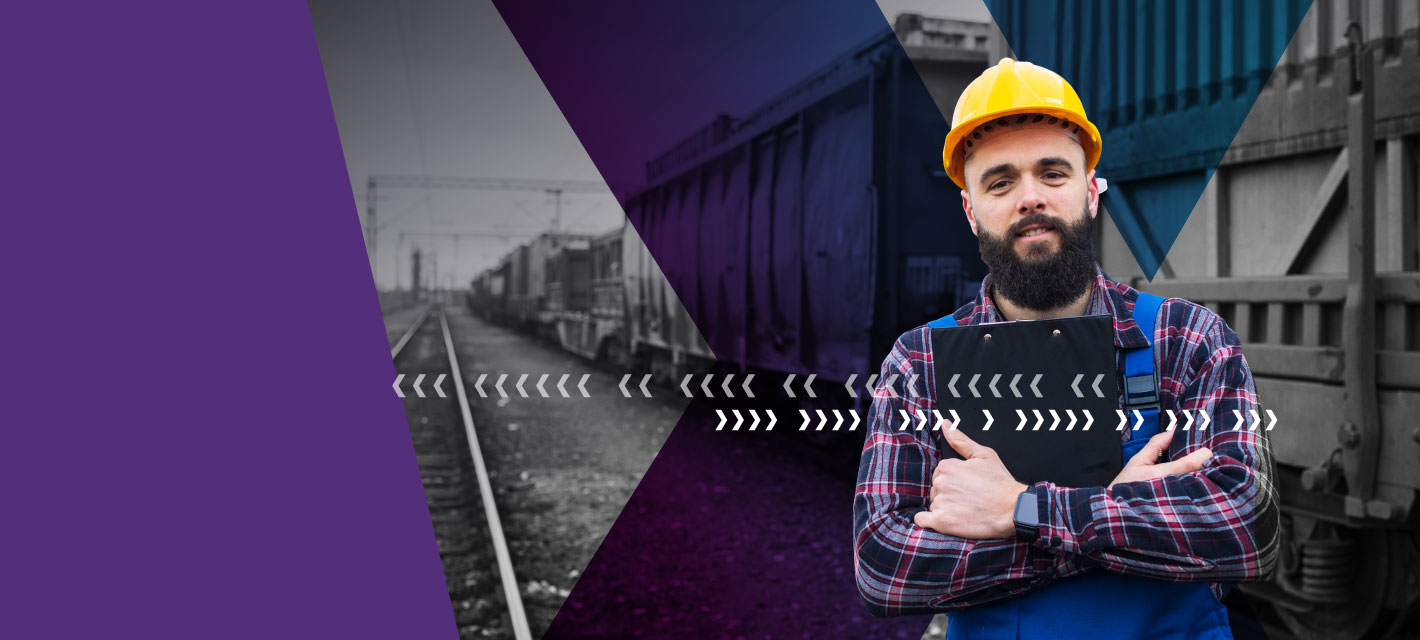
(1355, 572)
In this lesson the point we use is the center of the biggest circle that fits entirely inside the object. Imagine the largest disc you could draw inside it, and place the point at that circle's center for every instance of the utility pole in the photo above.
(556, 194)
(371, 230)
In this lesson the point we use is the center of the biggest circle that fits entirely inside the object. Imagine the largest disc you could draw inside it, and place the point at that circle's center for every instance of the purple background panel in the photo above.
(200, 435)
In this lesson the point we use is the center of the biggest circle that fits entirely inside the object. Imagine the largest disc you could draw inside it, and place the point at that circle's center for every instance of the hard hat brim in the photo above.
(955, 162)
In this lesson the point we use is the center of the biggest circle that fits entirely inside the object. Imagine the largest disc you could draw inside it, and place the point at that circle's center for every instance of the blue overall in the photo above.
(1100, 605)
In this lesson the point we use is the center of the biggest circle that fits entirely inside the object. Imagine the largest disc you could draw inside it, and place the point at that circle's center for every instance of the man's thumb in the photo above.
(1150, 453)
(926, 520)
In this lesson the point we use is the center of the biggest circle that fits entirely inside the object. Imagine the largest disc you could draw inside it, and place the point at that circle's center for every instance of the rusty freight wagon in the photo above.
(1304, 241)
(805, 236)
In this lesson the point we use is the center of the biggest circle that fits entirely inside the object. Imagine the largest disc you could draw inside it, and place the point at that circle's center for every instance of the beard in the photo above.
(1043, 279)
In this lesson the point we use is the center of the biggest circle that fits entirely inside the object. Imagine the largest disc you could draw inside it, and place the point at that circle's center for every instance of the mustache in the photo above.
(1036, 219)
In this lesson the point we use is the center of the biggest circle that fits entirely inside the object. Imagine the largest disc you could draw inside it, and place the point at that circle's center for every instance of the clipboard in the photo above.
(1065, 365)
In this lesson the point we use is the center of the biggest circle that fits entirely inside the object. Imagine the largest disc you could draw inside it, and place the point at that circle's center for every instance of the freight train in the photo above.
(824, 199)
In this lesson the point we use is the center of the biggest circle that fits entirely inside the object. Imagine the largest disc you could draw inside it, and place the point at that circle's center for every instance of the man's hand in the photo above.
(1145, 465)
(973, 498)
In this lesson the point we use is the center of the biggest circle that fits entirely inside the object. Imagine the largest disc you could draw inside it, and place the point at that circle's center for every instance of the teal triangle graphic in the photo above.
(1167, 82)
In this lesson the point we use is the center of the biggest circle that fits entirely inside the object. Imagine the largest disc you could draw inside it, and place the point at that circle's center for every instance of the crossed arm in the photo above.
(933, 536)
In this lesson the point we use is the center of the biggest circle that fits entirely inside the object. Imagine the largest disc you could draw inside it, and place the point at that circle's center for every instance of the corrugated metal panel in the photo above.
(1140, 65)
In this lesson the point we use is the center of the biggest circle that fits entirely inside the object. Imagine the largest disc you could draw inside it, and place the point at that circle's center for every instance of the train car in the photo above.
(823, 227)
(1305, 242)
(596, 328)
(526, 305)
(486, 293)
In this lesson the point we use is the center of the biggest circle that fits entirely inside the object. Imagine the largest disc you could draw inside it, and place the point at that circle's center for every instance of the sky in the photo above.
(441, 88)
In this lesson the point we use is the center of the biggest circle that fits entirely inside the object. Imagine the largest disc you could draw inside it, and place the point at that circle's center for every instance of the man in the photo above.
(1150, 554)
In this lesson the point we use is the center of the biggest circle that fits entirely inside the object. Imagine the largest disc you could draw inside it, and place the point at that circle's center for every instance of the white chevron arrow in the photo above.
(1076, 386)
(849, 385)
(972, 385)
(754, 415)
(872, 380)
(1096, 386)
(705, 385)
(856, 420)
(561, 382)
(1034, 382)
(906, 420)
(837, 420)
(1055, 419)
(805, 414)
(739, 419)
(1206, 419)
(956, 419)
(952, 386)
(1089, 420)
(439, 381)
(1014, 381)
(937, 426)
(1138, 419)
(685, 385)
(478, 385)
(624, 379)
(644, 380)
(1071, 414)
(499, 385)
(808, 385)
(1123, 420)
(1252, 426)
(725, 386)
(1235, 411)
(992, 385)
(787, 389)
(720, 426)
(541, 381)
(521, 391)
(912, 386)
(772, 419)
(745, 386)
(583, 382)
(1187, 419)
(417, 382)
(822, 420)
(1039, 419)
(1022, 414)
(1271, 419)
(1173, 420)
(921, 419)
(891, 385)
(397, 379)
(989, 419)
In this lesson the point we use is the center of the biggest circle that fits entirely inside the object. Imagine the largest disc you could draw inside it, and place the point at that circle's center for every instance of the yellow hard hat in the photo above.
(1015, 88)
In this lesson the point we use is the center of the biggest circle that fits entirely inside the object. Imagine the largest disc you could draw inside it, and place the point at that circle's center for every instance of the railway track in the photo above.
(467, 528)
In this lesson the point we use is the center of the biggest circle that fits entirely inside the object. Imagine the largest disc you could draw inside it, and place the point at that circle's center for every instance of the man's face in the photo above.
(1031, 203)
(1024, 184)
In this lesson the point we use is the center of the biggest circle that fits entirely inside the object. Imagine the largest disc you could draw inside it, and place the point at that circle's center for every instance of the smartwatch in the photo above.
(1027, 516)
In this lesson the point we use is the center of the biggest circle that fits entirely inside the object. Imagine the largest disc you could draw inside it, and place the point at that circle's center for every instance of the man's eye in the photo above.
(1054, 175)
(998, 184)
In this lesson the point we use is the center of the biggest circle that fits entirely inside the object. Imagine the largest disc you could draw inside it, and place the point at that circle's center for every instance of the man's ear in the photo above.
(1093, 197)
(966, 206)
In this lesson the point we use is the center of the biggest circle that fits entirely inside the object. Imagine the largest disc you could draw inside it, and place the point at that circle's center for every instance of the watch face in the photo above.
(1025, 508)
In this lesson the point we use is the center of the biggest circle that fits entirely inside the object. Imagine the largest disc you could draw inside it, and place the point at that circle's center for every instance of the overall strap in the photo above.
(1141, 384)
(945, 322)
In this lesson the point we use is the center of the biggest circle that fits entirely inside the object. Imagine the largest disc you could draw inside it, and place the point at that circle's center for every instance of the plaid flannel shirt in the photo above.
(1216, 525)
